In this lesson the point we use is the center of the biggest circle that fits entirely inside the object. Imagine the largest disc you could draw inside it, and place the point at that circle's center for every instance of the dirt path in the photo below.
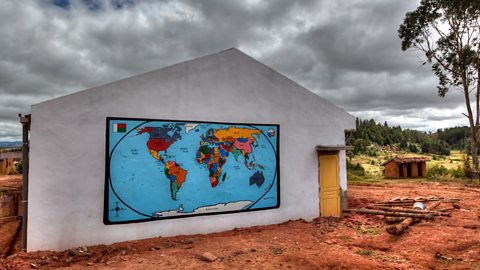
(351, 242)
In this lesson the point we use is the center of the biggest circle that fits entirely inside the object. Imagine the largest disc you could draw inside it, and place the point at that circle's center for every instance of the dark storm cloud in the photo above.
(361, 38)
(346, 51)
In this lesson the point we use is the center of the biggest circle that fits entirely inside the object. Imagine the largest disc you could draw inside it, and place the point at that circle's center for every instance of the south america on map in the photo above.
(165, 169)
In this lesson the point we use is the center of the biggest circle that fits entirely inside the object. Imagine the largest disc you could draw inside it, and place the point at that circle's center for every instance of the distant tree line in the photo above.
(368, 133)
(456, 137)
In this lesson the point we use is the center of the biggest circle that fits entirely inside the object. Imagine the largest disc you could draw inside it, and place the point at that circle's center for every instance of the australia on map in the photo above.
(165, 169)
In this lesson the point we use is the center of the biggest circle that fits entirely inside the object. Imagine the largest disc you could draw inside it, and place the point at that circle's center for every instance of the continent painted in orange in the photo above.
(234, 132)
(177, 177)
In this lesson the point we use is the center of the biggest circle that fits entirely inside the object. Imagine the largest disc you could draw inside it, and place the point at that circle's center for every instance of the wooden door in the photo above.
(329, 184)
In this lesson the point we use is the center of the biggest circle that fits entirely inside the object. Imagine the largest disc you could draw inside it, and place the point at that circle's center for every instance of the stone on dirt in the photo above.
(72, 252)
(208, 257)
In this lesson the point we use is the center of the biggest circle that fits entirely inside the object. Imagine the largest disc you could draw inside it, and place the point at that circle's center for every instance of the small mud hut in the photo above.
(400, 167)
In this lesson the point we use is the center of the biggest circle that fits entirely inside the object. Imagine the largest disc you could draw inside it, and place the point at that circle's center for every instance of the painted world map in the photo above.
(160, 169)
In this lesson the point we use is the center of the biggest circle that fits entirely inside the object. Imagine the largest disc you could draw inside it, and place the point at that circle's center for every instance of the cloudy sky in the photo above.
(346, 51)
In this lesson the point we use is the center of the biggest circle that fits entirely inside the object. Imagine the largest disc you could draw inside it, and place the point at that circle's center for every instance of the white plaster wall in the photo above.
(67, 171)
(343, 170)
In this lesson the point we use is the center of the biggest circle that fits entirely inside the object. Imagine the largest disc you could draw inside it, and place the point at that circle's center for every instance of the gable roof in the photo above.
(232, 54)
(401, 160)
(226, 75)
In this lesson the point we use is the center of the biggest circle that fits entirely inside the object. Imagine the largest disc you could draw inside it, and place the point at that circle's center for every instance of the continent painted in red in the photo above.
(159, 144)
(145, 129)
(245, 145)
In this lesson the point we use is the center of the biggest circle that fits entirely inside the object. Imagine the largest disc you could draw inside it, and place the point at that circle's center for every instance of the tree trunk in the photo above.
(472, 123)
(400, 227)
(392, 214)
(393, 220)
(415, 211)
(473, 146)
(477, 111)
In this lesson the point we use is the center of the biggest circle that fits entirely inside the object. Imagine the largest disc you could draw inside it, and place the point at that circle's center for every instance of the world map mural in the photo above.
(159, 169)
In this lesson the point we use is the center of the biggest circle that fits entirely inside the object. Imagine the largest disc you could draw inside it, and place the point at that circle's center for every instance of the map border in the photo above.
(106, 208)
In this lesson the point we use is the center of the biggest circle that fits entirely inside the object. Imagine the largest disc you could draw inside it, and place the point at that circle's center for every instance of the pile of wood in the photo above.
(400, 212)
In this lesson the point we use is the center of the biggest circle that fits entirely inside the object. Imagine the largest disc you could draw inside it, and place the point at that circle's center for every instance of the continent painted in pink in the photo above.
(245, 146)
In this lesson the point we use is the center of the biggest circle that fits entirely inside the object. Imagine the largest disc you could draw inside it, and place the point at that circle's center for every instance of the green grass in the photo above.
(365, 180)
(374, 169)
(368, 230)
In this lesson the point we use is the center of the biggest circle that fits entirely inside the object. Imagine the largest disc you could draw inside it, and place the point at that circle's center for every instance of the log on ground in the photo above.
(387, 213)
(399, 228)
(390, 209)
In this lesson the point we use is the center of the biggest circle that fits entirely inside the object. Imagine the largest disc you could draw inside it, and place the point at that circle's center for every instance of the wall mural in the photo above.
(158, 169)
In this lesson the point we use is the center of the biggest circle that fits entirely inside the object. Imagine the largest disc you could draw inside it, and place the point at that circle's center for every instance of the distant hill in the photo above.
(368, 133)
(16, 144)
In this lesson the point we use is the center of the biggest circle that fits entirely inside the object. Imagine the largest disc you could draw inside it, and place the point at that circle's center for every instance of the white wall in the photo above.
(66, 188)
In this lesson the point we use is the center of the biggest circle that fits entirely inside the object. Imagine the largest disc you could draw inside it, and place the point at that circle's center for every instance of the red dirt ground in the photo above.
(352, 242)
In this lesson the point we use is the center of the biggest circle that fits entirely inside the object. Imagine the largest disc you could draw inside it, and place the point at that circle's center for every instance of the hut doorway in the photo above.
(409, 169)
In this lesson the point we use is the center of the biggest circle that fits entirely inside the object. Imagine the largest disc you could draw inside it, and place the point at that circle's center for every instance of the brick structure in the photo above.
(398, 167)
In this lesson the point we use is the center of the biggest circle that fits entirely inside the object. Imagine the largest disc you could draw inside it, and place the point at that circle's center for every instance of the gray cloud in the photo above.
(346, 51)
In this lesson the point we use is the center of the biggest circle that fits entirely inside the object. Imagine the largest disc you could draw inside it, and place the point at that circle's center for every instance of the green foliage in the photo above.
(436, 171)
(369, 133)
(359, 145)
(458, 172)
(451, 50)
(413, 148)
(19, 167)
(355, 169)
(448, 33)
(456, 137)
(435, 147)
(372, 152)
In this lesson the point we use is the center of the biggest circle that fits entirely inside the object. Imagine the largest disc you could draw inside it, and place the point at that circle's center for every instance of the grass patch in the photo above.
(365, 252)
(345, 238)
(368, 230)
(367, 179)
(373, 169)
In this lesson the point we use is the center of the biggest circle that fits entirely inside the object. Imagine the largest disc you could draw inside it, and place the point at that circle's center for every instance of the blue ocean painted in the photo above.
(160, 169)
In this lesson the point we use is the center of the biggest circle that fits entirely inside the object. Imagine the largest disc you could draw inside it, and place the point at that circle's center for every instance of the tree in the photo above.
(448, 32)
(413, 148)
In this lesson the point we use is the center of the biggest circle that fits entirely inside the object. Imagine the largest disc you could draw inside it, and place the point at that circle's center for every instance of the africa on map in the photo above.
(157, 169)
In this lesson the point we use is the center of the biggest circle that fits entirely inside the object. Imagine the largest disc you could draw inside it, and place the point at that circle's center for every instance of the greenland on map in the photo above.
(158, 169)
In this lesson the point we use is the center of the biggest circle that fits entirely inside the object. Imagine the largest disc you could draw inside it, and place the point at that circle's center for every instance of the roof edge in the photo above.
(133, 76)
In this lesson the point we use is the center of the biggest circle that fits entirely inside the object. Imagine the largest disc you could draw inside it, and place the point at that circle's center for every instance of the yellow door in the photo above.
(329, 185)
